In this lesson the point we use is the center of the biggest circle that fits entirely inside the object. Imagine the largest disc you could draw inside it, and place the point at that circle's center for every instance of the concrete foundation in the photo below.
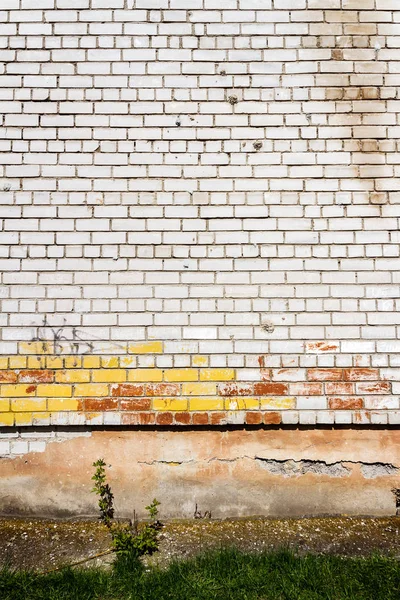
(229, 472)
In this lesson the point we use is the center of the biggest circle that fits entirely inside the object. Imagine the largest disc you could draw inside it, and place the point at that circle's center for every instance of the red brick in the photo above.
(164, 418)
(272, 418)
(375, 387)
(349, 403)
(200, 418)
(253, 418)
(305, 389)
(324, 374)
(145, 418)
(218, 418)
(361, 374)
(128, 389)
(162, 389)
(8, 377)
(30, 389)
(235, 389)
(139, 404)
(270, 389)
(182, 418)
(339, 388)
(36, 376)
(100, 404)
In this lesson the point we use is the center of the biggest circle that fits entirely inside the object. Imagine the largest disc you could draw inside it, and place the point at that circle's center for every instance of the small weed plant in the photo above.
(128, 539)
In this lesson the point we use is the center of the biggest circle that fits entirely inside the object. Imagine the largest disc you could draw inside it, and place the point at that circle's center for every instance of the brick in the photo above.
(181, 375)
(271, 389)
(272, 418)
(36, 376)
(325, 374)
(361, 374)
(204, 403)
(216, 374)
(139, 418)
(100, 404)
(305, 389)
(346, 403)
(136, 404)
(172, 404)
(376, 387)
(8, 377)
(62, 404)
(253, 418)
(163, 389)
(339, 388)
(128, 389)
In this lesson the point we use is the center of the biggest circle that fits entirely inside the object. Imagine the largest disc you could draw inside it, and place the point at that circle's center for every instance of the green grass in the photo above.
(223, 575)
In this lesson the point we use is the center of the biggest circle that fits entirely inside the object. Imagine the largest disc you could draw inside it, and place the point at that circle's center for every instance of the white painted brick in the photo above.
(260, 173)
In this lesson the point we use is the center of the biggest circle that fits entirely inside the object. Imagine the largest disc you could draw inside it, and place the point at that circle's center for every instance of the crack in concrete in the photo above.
(295, 468)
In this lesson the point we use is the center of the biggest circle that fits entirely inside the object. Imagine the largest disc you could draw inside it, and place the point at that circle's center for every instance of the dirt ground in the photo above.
(44, 545)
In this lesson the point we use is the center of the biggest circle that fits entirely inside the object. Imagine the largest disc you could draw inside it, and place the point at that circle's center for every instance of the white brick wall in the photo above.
(188, 171)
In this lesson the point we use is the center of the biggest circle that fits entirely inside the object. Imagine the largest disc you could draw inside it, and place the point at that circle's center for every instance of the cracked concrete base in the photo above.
(231, 473)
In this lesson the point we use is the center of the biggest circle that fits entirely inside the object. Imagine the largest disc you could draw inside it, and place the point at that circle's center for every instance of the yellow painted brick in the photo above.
(41, 418)
(72, 362)
(36, 348)
(28, 404)
(91, 389)
(239, 403)
(73, 376)
(4, 362)
(203, 388)
(91, 362)
(110, 362)
(181, 375)
(127, 361)
(4, 404)
(23, 418)
(36, 362)
(62, 404)
(20, 389)
(110, 376)
(217, 374)
(7, 418)
(200, 361)
(169, 404)
(54, 362)
(202, 403)
(277, 403)
(51, 389)
(145, 375)
(146, 348)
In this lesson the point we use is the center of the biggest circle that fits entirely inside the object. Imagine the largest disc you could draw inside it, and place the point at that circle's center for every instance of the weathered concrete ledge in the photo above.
(231, 472)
